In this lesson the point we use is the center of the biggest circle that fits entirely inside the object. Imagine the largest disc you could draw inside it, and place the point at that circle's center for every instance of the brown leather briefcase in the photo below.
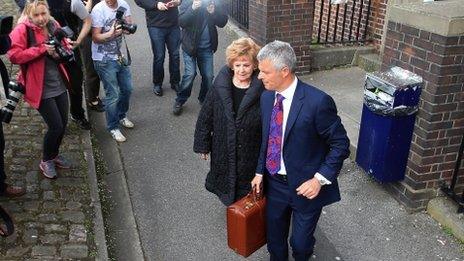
(246, 227)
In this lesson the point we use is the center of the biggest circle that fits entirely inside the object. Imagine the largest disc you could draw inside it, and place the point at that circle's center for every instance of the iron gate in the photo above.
(341, 23)
(238, 10)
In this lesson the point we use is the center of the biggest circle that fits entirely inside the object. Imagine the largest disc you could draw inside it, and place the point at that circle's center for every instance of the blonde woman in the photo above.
(44, 78)
(228, 128)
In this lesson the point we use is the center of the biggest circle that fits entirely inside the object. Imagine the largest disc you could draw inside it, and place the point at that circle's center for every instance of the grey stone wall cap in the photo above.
(443, 17)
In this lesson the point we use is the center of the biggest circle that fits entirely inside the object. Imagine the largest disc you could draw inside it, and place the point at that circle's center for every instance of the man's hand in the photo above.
(88, 5)
(175, 3)
(161, 6)
(196, 4)
(74, 44)
(309, 189)
(115, 30)
(204, 156)
(257, 183)
(210, 8)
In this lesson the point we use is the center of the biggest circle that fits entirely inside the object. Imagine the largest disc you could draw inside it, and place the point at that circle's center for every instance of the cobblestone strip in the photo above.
(55, 219)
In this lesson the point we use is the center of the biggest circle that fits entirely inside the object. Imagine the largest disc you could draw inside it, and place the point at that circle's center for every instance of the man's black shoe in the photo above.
(177, 109)
(175, 86)
(158, 90)
(96, 105)
(83, 123)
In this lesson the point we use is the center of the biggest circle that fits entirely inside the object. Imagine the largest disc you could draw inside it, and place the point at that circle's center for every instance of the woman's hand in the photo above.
(204, 156)
(51, 50)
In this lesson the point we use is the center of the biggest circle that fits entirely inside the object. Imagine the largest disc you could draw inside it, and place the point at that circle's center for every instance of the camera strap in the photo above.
(129, 59)
(8, 223)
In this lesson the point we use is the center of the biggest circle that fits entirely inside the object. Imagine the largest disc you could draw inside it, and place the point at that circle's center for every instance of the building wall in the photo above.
(440, 122)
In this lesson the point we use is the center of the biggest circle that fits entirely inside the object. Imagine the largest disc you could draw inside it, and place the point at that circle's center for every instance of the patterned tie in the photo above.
(275, 137)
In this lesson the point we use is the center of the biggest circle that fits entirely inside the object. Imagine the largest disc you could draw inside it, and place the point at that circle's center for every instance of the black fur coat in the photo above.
(233, 141)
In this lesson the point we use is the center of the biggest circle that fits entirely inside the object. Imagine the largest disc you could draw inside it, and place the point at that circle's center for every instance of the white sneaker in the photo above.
(117, 135)
(127, 123)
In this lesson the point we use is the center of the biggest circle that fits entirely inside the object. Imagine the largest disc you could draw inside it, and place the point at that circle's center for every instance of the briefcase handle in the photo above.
(254, 196)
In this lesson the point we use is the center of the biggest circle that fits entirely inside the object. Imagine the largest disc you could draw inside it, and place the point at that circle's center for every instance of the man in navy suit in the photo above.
(302, 151)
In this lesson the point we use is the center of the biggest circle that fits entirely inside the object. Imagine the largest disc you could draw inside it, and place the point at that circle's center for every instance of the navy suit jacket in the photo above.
(314, 141)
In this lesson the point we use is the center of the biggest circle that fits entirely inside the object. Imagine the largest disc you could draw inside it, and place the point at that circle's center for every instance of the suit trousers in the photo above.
(280, 210)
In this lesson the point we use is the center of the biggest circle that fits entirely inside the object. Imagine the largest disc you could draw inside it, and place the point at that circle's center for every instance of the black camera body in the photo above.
(6, 25)
(65, 54)
(131, 28)
(16, 92)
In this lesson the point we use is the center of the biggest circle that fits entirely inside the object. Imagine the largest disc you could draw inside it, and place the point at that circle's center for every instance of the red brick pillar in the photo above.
(286, 20)
(428, 39)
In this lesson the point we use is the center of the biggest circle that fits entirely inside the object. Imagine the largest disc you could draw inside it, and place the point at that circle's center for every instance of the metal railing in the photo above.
(341, 23)
(450, 191)
(238, 10)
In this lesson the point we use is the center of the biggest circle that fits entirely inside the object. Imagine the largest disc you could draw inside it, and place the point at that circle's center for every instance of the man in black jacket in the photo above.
(163, 28)
(198, 19)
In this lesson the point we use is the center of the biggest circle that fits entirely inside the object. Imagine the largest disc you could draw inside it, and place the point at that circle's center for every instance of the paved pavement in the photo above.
(177, 219)
(57, 219)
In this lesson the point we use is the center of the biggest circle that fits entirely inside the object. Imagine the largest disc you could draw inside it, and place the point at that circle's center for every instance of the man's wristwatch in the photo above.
(322, 182)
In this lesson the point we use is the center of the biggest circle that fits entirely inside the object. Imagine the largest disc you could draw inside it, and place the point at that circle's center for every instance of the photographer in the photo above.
(73, 13)
(91, 79)
(5, 189)
(198, 19)
(43, 77)
(110, 19)
(163, 28)
(70, 13)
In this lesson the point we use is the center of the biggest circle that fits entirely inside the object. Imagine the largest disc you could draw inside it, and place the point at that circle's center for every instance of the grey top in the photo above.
(78, 8)
(53, 83)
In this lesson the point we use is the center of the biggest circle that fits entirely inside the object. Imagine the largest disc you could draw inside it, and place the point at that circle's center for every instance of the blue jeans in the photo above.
(204, 60)
(169, 37)
(117, 82)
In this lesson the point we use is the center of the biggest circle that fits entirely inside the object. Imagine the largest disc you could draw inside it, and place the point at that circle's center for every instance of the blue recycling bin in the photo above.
(391, 101)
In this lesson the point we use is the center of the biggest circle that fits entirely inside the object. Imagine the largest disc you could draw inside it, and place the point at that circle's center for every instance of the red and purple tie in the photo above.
(274, 143)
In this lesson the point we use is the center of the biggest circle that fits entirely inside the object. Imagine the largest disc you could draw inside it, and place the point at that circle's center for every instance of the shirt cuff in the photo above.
(259, 175)
(322, 180)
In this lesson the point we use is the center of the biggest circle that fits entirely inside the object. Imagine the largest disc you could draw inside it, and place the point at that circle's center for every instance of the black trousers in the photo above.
(54, 111)
(2, 161)
(76, 76)
(91, 80)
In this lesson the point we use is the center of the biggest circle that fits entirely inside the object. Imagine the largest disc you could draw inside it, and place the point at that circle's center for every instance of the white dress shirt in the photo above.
(287, 103)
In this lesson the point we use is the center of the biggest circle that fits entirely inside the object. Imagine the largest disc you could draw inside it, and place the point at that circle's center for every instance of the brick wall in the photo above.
(349, 15)
(285, 20)
(440, 122)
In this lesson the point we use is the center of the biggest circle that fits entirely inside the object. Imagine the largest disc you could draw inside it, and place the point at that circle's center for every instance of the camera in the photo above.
(65, 54)
(131, 28)
(16, 92)
(6, 25)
